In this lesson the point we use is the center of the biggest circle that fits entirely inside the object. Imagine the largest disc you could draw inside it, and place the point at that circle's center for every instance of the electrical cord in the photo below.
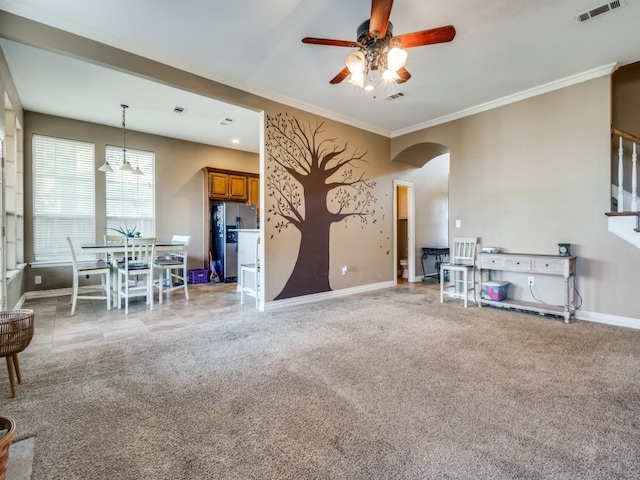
(575, 289)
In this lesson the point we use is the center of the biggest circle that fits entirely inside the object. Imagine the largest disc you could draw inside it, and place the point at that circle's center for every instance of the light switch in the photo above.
(458, 223)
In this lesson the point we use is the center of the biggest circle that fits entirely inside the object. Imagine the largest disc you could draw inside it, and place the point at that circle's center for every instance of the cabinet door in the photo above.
(218, 185)
(254, 191)
(238, 187)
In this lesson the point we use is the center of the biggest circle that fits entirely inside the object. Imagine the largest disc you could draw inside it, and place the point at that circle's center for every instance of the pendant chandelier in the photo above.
(124, 162)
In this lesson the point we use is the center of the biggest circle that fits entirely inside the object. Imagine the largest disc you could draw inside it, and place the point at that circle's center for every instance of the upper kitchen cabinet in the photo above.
(227, 185)
(254, 190)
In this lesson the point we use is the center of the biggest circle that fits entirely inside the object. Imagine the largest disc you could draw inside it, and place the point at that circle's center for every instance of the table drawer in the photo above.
(517, 264)
(492, 261)
(548, 265)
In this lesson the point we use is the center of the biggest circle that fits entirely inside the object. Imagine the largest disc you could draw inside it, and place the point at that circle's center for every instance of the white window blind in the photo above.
(63, 196)
(130, 197)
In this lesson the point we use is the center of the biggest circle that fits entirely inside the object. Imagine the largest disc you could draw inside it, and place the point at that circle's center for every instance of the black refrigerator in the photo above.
(226, 219)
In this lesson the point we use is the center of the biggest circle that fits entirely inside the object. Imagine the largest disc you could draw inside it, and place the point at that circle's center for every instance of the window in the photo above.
(63, 196)
(130, 197)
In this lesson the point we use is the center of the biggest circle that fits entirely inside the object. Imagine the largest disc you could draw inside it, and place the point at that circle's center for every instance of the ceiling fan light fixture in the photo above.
(379, 50)
(356, 62)
(396, 59)
(390, 75)
(369, 87)
(357, 79)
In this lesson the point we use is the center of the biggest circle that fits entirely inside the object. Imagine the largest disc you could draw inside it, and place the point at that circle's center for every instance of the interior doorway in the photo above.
(404, 232)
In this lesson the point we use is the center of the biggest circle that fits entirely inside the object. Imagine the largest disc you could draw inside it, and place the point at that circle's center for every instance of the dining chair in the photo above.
(136, 265)
(252, 268)
(460, 270)
(84, 269)
(172, 268)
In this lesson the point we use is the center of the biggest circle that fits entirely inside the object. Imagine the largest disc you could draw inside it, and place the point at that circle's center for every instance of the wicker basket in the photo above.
(5, 442)
(16, 332)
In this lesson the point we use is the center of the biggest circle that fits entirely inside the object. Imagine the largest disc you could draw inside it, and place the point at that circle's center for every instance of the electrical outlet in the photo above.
(531, 281)
(38, 279)
(344, 270)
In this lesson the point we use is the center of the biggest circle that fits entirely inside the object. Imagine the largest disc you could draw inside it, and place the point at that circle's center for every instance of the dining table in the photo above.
(115, 248)
(112, 250)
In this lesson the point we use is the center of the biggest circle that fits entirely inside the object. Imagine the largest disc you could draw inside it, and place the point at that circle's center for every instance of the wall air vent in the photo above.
(600, 10)
(227, 121)
(178, 109)
(393, 96)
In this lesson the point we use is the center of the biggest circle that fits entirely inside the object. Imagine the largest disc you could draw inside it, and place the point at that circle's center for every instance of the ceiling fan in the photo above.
(379, 50)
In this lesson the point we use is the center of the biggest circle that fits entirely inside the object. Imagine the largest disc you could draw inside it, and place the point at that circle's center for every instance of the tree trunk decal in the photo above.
(313, 183)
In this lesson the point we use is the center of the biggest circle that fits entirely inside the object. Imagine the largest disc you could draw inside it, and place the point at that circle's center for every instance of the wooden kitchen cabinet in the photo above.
(226, 185)
(238, 187)
(254, 190)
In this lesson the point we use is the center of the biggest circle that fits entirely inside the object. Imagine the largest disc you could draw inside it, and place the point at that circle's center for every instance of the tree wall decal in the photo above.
(313, 182)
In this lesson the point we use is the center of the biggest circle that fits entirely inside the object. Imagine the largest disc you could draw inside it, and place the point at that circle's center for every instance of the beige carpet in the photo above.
(384, 385)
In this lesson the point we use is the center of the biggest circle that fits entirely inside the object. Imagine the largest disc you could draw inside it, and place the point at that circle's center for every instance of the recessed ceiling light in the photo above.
(235, 140)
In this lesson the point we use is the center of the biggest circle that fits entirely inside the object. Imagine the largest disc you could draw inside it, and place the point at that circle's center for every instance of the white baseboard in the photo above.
(605, 318)
(608, 319)
(325, 295)
(56, 292)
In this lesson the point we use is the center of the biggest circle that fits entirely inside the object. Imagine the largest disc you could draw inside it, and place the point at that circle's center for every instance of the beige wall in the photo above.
(525, 177)
(535, 173)
(180, 197)
(366, 249)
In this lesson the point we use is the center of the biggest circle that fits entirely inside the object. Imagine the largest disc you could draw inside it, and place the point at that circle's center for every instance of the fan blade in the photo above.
(404, 75)
(426, 37)
(380, 12)
(341, 76)
(332, 43)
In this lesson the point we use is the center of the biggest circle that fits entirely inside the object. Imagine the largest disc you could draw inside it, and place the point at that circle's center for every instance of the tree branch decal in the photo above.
(313, 182)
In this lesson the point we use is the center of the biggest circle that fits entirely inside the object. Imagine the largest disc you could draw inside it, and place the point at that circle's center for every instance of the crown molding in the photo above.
(516, 97)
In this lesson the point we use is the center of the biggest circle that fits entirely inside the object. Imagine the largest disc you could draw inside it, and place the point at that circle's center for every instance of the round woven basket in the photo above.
(8, 429)
(16, 331)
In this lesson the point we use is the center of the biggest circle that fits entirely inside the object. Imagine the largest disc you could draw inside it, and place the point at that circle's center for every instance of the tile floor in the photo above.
(56, 330)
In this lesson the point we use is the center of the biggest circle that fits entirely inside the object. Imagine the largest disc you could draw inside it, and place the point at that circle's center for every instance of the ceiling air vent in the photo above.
(393, 96)
(600, 10)
(227, 121)
(178, 109)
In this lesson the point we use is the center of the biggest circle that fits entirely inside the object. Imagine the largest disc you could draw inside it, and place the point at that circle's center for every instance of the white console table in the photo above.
(539, 264)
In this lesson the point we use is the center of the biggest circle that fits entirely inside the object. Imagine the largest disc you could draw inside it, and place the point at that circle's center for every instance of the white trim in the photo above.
(20, 302)
(605, 318)
(325, 295)
(516, 97)
(54, 292)
(51, 264)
